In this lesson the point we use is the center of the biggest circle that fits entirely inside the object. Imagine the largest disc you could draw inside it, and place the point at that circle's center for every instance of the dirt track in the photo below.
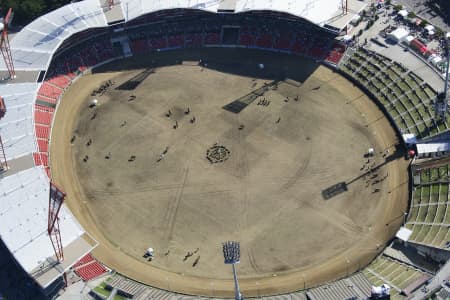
(267, 194)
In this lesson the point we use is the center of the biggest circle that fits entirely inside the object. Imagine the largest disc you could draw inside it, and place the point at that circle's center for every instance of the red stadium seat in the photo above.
(42, 117)
(42, 131)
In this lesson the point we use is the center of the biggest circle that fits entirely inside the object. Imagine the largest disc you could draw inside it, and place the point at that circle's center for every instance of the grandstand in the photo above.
(404, 96)
(429, 216)
(67, 42)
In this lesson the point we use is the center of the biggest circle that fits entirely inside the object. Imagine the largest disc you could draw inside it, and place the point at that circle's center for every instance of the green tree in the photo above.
(26, 11)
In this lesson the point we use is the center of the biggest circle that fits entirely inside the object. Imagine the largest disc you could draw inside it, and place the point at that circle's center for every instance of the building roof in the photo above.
(423, 149)
(23, 215)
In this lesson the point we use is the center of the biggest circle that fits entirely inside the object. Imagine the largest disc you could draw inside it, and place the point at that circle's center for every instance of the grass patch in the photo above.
(100, 289)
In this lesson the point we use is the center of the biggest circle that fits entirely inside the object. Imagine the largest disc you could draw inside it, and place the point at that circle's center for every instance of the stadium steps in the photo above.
(356, 285)
(397, 89)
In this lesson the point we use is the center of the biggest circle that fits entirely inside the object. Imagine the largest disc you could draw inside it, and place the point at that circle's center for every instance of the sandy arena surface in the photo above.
(267, 194)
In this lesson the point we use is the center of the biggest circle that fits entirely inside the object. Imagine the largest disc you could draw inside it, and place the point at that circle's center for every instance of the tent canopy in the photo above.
(403, 13)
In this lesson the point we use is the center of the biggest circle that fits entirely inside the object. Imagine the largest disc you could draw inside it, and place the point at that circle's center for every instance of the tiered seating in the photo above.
(139, 46)
(90, 271)
(176, 41)
(335, 55)
(84, 260)
(264, 40)
(89, 56)
(61, 81)
(104, 51)
(300, 44)
(193, 40)
(40, 159)
(43, 115)
(212, 38)
(353, 287)
(319, 48)
(42, 131)
(398, 275)
(126, 286)
(247, 36)
(88, 268)
(429, 216)
(403, 94)
(283, 41)
(158, 43)
(50, 91)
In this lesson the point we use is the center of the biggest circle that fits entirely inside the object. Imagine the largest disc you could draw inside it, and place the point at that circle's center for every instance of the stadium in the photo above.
(139, 136)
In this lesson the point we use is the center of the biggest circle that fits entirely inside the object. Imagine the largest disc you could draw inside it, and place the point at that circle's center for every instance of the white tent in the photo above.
(403, 13)
(429, 28)
(407, 40)
(398, 34)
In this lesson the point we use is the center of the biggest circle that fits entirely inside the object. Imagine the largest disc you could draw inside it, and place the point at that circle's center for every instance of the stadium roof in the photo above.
(316, 11)
(23, 215)
(34, 45)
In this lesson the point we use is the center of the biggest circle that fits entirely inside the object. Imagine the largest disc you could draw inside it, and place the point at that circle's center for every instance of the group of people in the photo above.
(186, 112)
(103, 88)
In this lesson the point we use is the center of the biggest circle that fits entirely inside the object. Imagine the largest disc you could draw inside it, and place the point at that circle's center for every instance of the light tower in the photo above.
(4, 43)
(232, 255)
(56, 199)
(442, 99)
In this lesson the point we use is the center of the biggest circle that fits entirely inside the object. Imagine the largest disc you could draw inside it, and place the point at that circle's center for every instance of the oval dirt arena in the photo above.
(181, 157)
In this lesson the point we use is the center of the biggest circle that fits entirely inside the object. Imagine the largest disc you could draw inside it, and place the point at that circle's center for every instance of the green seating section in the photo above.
(385, 270)
(404, 95)
(429, 215)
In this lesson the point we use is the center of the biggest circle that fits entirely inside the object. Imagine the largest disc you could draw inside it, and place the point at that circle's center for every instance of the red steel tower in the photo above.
(4, 43)
(56, 199)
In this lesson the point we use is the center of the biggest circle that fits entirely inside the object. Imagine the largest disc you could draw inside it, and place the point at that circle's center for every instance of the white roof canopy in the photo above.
(432, 148)
(403, 234)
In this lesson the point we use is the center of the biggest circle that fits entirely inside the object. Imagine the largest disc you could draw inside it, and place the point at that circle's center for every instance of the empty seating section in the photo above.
(40, 159)
(88, 268)
(302, 43)
(398, 275)
(247, 36)
(43, 115)
(354, 287)
(90, 271)
(212, 38)
(62, 71)
(336, 53)
(429, 215)
(264, 40)
(319, 48)
(158, 43)
(42, 131)
(283, 41)
(406, 98)
(194, 40)
(176, 41)
(50, 91)
(61, 81)
(139, 46)
(138, 291)
(84, 260)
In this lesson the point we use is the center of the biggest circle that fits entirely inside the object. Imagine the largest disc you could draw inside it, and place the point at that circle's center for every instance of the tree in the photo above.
(26, 11)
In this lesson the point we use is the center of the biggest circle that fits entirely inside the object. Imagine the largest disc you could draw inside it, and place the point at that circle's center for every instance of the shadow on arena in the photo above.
(255, 63)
